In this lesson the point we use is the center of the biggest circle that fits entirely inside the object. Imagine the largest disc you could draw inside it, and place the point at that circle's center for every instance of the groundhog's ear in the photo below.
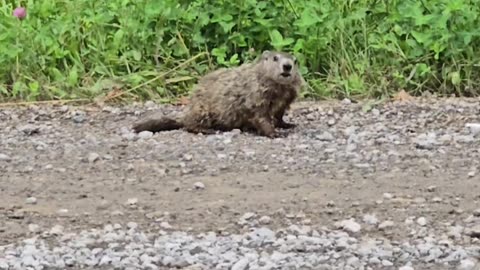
(265, 54)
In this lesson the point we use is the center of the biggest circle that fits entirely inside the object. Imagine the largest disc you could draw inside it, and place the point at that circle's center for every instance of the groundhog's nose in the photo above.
(287, 67)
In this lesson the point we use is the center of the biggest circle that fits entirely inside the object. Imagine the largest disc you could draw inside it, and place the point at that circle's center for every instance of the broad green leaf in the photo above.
(34, 87)
(456, 79)
(73, 77)
(118, 38)
(276, 37)
(423, 38)
(234, 59)
(227, 26)
(307, 19)
(137, 56)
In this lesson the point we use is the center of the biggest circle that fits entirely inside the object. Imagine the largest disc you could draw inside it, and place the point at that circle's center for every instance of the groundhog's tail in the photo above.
(157, 124)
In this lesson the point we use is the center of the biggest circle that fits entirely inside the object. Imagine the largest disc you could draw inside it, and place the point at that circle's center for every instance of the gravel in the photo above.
(199, 185)
(370, 141)
(128, 247)
(422, 221)
(394, 186)
(349, 225)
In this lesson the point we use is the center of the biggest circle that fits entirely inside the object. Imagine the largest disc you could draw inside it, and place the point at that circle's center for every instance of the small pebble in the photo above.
(265, 220)
(346, 101)
(325, 136)
(370, 219)
(143, 135)
(93, 157)
(30, 129)
(349, 225)
(387, 263)
(4, 157)
(248, 216)
(474, 232)
(33, 228)
(116, 213)
(149, 104)
(56, 230)
(466, 264)
(422, 221)
(199, 185)
(241, 264)
(132, 201)
(386, 224)
(131, 225)
(165, 225)
(474, 128)
(79, 118)
(31, 200)
(188, 157)
(62, 212)
(387, 196)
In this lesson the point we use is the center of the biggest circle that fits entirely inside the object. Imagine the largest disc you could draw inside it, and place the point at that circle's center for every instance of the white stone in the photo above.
(370, 219)
(33, 228)
(387, 263)
(349, 225)
(93, 157)
(132, 201)
(145, 135)
(31, 200)
(474, 128)
(165, 225)
(199, 185)
(242, 264)
(387, 196)
(422, 221)
(62, 212)
(265, 220)
(386, 224)
(466, 264)
(4, 157)
(57, 230)
(248, 216)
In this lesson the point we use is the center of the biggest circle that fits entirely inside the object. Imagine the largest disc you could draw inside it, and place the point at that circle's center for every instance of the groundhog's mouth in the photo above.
(285, 74)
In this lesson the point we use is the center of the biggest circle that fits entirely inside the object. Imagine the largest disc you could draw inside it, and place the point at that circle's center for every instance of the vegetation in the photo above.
(157, 49)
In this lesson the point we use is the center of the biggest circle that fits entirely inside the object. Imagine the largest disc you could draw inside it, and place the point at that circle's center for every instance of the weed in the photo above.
(367, 48)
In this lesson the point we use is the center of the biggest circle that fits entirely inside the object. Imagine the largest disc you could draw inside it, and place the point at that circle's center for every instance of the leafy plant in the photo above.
(156, 50)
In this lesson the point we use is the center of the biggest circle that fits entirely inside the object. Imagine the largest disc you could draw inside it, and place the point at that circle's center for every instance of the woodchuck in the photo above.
(251, 97)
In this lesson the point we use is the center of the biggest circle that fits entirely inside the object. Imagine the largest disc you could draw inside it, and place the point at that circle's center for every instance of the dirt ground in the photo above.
(81, 167)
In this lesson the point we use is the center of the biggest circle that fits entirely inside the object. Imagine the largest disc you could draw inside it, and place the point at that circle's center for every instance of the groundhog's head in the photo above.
(280, 67)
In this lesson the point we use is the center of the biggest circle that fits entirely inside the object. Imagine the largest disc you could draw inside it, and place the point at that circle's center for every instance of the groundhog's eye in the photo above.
(275, 58)
(295, 61)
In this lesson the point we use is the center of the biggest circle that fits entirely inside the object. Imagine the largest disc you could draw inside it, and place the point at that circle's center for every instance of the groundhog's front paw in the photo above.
(273, 135)
(286, 125)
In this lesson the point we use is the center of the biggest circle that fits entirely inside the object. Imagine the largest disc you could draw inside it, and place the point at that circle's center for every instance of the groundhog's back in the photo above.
(226, 93)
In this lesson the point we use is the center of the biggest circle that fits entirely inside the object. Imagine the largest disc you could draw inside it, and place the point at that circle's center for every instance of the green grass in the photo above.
(139, 49)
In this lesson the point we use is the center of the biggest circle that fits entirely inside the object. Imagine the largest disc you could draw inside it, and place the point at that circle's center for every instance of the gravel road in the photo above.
(393, 187)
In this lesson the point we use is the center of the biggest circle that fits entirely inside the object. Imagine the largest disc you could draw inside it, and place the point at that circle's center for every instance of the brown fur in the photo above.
(253, 96)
